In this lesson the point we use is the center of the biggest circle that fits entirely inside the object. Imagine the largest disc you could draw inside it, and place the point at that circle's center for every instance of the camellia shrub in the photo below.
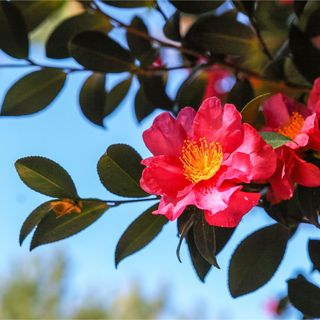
(242, 129)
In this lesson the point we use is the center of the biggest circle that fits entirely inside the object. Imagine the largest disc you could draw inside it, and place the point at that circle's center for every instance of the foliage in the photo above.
(263, 47)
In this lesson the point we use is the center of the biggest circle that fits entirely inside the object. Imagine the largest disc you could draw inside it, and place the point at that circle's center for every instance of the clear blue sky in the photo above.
(62, 134)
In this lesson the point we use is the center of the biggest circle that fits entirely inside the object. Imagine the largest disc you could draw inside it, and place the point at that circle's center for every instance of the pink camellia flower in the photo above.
(202, 159)
(301, 124)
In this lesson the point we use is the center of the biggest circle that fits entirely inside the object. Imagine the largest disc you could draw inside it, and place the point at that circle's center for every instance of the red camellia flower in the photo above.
(201, 159)
(301, 124)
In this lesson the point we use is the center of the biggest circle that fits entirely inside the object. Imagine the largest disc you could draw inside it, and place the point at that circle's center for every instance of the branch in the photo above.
(115, 203)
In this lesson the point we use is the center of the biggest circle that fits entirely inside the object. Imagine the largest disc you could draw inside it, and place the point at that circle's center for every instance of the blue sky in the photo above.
(62, 134)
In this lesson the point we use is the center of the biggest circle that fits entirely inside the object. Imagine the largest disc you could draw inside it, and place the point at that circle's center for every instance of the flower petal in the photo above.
(314, 97)
(185, 118)
(305, 173)
(239, 204)
(218, 124)
(163, 176)
(165, 136)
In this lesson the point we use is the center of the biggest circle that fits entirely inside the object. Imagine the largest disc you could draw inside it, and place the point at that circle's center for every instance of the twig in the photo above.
(115, 203)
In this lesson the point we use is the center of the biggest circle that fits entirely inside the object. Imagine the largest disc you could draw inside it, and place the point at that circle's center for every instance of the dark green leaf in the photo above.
(171, 28)
(201, 265)
(305, 296)
(314, 253)
(116, 95)
(241, 93)
(298, 6)
(313, 28)
(205, 240)
(139, 233)
(120, 171)
(33, 92)
(138, 46)
(93, 98)
(250, 112)
(276, 140)
(13, 31)
(46, 176)
(155, 92)
(305, 56)
(129, 4)
(52, 228)
(57, 43)
(35, 12)
(191, 91)
(221, 35)
(97, 52)
(256, 259)
(246, 6)
(196, 8)
(223, 235)
(142, 106)
(33, 219)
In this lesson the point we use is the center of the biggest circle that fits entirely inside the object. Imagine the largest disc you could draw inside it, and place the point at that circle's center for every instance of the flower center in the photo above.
(293, 127)
(201, 160)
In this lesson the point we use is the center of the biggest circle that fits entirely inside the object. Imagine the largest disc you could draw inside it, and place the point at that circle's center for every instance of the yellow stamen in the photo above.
(201, 161)
(66, 206)
(294, 126)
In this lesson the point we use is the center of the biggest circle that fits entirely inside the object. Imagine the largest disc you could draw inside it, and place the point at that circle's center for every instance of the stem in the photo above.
(115, 203)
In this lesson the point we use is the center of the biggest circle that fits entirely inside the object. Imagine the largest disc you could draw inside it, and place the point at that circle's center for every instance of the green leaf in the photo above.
(116, 95)
(13, 31)
(33, 92)
(250, 112)
(155, 92)
(205, 240)
(97, 52)
(171, 28)
(139, 233)
(221, 35)
(33, 219)
(201, 265)
(138, 46)
(256, 259)
(276, 140)
(35, 12)
(199, 7)
(314, 253)
(120, 171)
(305, 296)
(57, 43)
(222, 236)
(52, 228)
(129, 4)
(46, 176)
(142, 106)
(93, 97)
(241, 93)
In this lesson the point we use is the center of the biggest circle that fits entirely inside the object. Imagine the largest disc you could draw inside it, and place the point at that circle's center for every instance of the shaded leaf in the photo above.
(97, 52)
(305, 56)
(57, 43)
(93, 97)
(276, 140)
(313, 28)
(142, 106)
(246, 6)
(298, 6)
(116, 95)
(222, 235)
(33, 219)
(171, 28)
(314, 253)
(139, 233)
(250, 112)
(46, 176)
(120, 171)
(138, 46)
(13, 31)
(199, 7)
(51, 228)
(304, 296)
(256, 259)
(205, 240)
(35, 12)
(221, 35)
(154, 90)
(241, 93)
(33, 92)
